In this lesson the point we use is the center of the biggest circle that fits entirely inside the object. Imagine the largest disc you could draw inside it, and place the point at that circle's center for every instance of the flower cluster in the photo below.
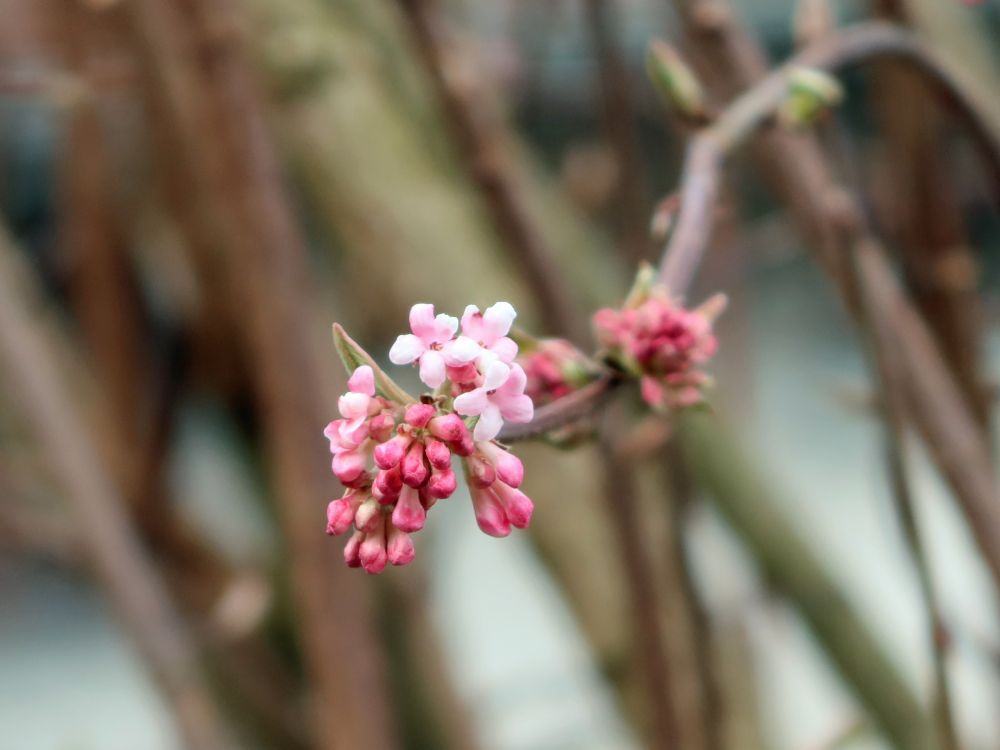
(394, 456)
(554, 368)
(658, 340)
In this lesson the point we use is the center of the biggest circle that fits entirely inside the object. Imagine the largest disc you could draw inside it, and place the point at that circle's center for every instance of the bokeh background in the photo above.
(192, 192)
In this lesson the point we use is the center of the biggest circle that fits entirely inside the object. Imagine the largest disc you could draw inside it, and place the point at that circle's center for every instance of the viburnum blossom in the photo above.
(433, 345)
(658, 340)
(394, 456)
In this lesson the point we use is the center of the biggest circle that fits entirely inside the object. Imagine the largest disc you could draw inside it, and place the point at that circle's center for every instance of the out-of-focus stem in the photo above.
(890, 387)
(117, 556)
(620, 125)
(486, 155)
(650, 652)
(215, 119)
(748, 502)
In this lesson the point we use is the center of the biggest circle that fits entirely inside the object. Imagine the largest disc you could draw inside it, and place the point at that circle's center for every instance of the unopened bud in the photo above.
(811, 93)
(676, 82)
(663, 217)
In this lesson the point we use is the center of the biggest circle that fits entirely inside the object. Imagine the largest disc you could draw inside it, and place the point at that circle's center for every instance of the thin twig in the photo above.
(650, 652)
(891, 390)
(118, 558)
(619, 116)
(210, 101)
(487, 157)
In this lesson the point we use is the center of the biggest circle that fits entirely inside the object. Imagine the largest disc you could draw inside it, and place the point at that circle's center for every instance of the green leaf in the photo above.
(353, 356)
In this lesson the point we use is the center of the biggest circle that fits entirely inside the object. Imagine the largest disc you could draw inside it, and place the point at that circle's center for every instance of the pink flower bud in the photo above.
(508, 466)
(481, 472)
(340, 513)
(437, 453)
(449, 428)
(368, 516)
(400, 550)
(465, 446)
(426, 500)
(466, 373)
(517, 506)
(391, 452)
(419, 415)
(372, 553)
(490, 514)
(409, 514)
(442, 483)
(380, 427)
(348, 466)
(413, 467)
(388, 483)
(352, 550)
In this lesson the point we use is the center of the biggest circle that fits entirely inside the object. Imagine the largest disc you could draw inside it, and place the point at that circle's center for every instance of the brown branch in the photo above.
(486, 154)
(619, 116)
(755, 108)
(891, 389)
(216, 123)
(118, 558)
(649, 650)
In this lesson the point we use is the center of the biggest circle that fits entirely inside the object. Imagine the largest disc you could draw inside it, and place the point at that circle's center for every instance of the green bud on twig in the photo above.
(811, 93)
(676, 82)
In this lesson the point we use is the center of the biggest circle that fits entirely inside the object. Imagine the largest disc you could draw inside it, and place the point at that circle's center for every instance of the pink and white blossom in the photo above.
(501, 396)
(432, 344)
(489, 331)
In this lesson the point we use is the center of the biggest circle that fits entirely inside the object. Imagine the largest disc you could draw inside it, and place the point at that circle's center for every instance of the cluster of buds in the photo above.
(394, 453)
(555, 368)
(655, 338)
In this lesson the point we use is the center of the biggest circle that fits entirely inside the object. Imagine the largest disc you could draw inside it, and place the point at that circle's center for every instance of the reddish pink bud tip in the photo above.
(508, 466)
(409, 514)
(419, 415)
(437, 454)
(449, 428)
(339, 515)
(348, 466)
(442, 484)
(400, 550)
(517, 506)
(490, 514)
(465, 446)
(481, 472)
(413, 468)
(388, 483)
(352, 550)
(380, 427)
(391, 452)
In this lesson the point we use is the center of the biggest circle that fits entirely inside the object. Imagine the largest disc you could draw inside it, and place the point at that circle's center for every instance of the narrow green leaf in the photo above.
(353, 356)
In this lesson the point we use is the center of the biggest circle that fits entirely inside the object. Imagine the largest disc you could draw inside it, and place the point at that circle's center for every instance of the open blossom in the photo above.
(489, 330)
(433, 345)
(663, 343)
(395, 456)
(501, 396)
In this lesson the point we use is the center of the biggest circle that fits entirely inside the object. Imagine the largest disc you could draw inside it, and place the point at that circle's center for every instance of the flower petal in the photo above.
(460, 351)
(353, 405)
(505, 348)
(497, 321)
(362, 381)
(515, 382)
(518, 409)
(422, 321)
(489, 424)
(496, 374)
(471, 403)
(472, 323)
(432, 370)
(406, 349)
(444, 328)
